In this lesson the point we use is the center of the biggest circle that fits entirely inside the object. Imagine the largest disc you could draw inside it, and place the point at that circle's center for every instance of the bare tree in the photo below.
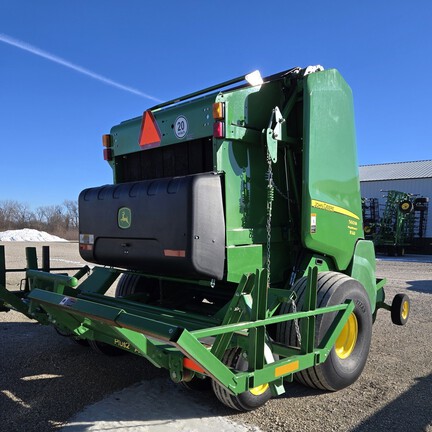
(57, 219)
(71, 213)
(14, 214)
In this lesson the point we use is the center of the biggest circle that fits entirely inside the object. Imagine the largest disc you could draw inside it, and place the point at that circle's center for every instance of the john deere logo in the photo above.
(124, 218)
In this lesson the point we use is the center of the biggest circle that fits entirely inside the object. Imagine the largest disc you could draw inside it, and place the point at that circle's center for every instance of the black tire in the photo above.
(130, 284)
(246, 401)
(76, 339)
(343, 369)
(400, 309)
(197, 384)
(406, 206)
(80, 342)
(105, 349)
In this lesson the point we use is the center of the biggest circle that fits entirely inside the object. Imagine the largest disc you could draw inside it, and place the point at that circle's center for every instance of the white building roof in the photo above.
(396, 171)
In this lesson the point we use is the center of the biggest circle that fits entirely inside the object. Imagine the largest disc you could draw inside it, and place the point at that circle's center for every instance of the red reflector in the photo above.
(107, 154)
(219, 129)
(190, 364)
(150, 135)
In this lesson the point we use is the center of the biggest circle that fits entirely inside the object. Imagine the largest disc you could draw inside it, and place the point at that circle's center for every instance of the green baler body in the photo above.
(318, 148)
(284, 155)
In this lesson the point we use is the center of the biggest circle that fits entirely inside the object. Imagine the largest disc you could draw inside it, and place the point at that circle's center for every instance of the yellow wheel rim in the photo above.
(405, 206)
(346, 341)
(405, 310)
(259, 390)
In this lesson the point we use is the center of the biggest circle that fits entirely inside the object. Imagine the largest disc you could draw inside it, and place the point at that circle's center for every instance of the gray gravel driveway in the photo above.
(45, 380)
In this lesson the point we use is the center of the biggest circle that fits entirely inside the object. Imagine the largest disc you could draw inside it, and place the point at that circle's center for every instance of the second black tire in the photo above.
(348, 357)
(131, 283)
(248, 400)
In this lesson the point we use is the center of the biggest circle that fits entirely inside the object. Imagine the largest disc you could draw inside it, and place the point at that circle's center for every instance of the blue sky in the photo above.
(101, 58)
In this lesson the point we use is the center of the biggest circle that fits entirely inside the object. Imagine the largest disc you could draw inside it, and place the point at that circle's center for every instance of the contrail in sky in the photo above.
(36, 51)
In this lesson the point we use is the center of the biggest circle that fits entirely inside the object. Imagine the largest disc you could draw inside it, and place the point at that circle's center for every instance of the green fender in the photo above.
(363, 268)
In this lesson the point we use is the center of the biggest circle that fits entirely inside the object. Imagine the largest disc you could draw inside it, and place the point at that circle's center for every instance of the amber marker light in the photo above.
(218, 110)
(106, 140)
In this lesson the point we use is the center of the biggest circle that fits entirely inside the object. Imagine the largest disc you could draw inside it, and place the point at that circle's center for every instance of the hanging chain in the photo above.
(296, 324)
(271, 187)
(270, 198)
(270, 179)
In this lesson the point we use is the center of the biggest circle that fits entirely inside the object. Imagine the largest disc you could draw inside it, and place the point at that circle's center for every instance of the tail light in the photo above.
(219, 129)
(107, 143)
(107, 154)
(219, 116)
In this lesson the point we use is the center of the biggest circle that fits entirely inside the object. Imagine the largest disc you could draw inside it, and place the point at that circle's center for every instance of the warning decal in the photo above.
(313, 223)
(180, 127)
(150, 135)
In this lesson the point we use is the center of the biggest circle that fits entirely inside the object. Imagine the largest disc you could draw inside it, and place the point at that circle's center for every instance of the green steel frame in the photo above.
(78, 305)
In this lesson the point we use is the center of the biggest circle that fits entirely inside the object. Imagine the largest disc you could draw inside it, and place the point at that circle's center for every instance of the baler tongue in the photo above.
(81, 315)
(86, 309)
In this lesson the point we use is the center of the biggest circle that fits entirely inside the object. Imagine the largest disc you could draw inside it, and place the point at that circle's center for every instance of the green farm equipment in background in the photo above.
(234, 231)
(370, 211)
(403, 221)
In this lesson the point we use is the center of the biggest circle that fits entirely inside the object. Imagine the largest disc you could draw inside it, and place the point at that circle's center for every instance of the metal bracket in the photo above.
(274, 133)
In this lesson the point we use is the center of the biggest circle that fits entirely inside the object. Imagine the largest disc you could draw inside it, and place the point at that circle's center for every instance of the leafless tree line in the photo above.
(60, 220)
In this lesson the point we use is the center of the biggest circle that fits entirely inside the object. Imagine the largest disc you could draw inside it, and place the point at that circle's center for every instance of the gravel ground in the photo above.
(45, 379)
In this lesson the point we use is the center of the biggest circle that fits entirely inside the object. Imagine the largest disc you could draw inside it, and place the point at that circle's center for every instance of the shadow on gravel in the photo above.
(422, 286)
(410, 411)
(45, 379)
(295, 390)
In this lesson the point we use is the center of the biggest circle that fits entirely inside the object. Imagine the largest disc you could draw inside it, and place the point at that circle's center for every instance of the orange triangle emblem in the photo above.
(150, 135)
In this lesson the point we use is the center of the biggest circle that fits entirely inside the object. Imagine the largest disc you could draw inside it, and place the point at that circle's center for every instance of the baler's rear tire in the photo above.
(348, 357)
(130, 284)
(248, 400)
(76, 339)
(80, 342)
(105, 349)
(197, 384)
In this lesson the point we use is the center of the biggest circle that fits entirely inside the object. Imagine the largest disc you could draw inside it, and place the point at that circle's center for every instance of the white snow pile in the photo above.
(28, 235)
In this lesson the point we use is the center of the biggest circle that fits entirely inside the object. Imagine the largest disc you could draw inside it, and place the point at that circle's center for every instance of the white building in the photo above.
(410, 177)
